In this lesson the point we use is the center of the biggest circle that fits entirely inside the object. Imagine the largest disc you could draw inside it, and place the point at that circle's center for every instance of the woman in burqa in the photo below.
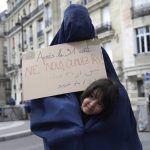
(57, 119)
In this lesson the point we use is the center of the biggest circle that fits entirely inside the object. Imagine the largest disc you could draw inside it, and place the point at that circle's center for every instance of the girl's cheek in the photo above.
(85, 102)
(86, 111)
(98, 109)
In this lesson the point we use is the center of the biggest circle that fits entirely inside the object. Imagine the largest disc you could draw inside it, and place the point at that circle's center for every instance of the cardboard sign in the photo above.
(62, 68)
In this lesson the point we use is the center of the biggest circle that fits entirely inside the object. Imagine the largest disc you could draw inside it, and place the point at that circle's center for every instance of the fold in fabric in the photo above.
(58, 120)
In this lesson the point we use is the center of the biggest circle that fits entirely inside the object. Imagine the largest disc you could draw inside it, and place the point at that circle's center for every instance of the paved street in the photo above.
(13, 126)
(14, 129)
(145, 139)
(25, 143)
(34, 143)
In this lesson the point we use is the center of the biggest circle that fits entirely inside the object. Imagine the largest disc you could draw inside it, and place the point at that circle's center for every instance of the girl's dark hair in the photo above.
(106, 91)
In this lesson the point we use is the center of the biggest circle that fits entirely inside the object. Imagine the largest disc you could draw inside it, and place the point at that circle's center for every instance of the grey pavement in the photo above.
(14, 129)
(145, 139)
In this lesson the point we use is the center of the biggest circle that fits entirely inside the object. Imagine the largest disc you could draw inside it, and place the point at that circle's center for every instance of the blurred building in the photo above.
(4, 81)
(124, 30)
(122, 26)
(28, 26)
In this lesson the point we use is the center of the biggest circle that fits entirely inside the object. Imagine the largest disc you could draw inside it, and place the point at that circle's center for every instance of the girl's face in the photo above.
(91, 106)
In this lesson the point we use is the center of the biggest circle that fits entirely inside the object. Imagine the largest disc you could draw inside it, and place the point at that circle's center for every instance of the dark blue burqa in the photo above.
(57, 119)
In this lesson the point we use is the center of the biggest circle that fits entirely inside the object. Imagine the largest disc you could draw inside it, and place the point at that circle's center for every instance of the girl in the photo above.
(100, 98)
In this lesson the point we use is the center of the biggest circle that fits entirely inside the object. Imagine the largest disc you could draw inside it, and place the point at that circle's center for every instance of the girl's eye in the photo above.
(92, 96)
(100, 104)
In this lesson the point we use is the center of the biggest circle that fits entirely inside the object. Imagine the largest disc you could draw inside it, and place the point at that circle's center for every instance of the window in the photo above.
(48, 15)
(13, 43)
(105, 16)
(25, 37)
(8, 85)
(20, 86)
(30, 9)
(31, 31)
(140, 8)
(86, 1)
(140, 87)
(21, 96)
(31, 34)
(19, 40)
(24, 12)
(48, 11)
(49, 37)
(143, 39)
(40, 25)
(15, 96)
(39, 2)
(107, 47)
(140, 3)
(41, 45)
(14, 86)
(69, 2)
(12, 5)
(12, 22)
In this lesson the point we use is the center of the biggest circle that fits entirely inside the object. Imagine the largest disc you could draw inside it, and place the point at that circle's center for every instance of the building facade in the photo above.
(122, 26)
(136, 47)
(124, 29)
(28, 26)
(4, 81)
(2, 87)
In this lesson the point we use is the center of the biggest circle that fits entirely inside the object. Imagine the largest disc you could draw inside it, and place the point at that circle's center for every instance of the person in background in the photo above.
(11, 102)
(58, 119)
(149, 100)
(27, 107)
(1, 111)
